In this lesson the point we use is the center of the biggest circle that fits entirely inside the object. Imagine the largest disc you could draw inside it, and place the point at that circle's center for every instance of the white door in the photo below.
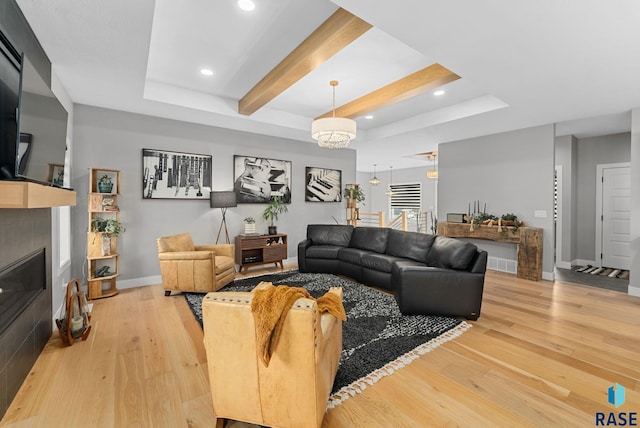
(616, 217)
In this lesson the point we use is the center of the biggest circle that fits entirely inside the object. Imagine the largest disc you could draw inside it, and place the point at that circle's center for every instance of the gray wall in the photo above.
(591, 152)
(113, 139)
(512, 172)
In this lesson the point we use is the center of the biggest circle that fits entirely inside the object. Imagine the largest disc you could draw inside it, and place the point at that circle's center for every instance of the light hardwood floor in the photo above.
(541, 354)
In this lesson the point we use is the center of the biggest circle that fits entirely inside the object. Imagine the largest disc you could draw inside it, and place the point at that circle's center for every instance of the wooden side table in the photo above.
(260, 249)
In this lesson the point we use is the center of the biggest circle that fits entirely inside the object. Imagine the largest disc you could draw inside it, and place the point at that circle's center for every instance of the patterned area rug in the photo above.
(603, 271)
(377, 338)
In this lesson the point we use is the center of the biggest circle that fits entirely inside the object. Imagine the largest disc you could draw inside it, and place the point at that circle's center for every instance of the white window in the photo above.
(407, 197)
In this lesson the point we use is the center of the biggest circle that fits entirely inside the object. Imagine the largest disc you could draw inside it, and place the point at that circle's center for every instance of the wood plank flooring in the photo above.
(541, 354)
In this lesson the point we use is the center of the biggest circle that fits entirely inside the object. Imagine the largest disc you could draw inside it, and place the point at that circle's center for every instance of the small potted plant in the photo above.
(354, 194)
(108, 228)
(273, 210)
(249, 226)
(104, 184)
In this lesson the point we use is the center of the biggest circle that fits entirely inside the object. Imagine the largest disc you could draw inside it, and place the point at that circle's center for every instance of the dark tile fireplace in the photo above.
(25, 301)
(20, 284)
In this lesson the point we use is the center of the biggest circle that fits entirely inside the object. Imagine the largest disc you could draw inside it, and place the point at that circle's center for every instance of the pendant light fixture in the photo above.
(333, 132)
(374, 180)
(432, 173)
(390, 192)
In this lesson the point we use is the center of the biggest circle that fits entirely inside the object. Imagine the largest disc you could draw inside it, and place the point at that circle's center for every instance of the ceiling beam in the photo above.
(414, 84)
(333, 35)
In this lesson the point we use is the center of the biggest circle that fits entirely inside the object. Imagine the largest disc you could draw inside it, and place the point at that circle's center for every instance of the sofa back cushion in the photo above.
(451, 253)
(410, 245)
(370, 238)
(330, 234)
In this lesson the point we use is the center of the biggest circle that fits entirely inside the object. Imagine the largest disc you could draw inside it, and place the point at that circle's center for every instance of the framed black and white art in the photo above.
(176, 175)
(323, 185)
(258, 180)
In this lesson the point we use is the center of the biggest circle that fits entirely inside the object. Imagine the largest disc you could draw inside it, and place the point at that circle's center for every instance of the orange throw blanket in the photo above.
(270, 306)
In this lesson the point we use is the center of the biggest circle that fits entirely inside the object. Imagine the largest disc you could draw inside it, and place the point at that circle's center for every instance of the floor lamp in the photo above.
(223, 200)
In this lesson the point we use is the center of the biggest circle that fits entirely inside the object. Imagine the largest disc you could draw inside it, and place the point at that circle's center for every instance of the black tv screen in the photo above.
(10, 72)
(34, 137)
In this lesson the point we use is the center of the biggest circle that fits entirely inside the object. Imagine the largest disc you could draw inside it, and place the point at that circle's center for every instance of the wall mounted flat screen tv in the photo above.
(34, 123)
(10, 76)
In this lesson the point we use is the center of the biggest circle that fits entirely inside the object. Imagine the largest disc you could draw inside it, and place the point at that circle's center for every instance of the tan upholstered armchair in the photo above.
(195, 268)
(293, 390)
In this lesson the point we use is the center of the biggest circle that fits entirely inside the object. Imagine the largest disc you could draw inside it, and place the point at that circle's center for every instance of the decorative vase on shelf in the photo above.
(106, 245)
(273, 230)
(249, 228)
(105, 187)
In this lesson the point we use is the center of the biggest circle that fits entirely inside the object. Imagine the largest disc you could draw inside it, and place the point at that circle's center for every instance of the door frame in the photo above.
(599, 174)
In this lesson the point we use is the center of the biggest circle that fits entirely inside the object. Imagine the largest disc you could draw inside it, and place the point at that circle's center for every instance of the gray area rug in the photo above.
(377, 338)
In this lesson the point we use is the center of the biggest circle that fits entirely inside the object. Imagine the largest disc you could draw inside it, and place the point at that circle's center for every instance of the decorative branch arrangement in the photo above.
(478, 217)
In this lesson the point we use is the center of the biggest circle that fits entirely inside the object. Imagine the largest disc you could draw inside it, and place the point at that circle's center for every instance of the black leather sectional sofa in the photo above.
(427, 274)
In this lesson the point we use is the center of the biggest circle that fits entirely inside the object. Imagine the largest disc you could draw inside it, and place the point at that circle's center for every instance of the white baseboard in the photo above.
(56, 316)
(634, 291)
(139, 282)
(564, 265)
(157, 279)
(549, 276)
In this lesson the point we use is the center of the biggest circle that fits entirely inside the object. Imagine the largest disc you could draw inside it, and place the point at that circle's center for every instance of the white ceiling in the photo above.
(521, 64)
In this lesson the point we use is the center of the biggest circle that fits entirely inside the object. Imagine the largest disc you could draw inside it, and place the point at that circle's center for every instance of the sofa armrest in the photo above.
(302, 254)
(437, 291)
(219, 249)
(185, 255)
(479, 264)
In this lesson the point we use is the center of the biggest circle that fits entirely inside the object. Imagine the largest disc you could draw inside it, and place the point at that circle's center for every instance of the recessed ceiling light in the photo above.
(247, 5)
(438, 93)
(206, 72)
(368, 117)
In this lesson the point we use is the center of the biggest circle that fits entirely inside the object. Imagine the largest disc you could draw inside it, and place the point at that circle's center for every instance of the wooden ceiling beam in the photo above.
(414, 84)
(333, 35)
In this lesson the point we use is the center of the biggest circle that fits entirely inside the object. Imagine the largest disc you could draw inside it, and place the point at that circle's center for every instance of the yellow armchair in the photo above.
(293, 390)
(195, 268)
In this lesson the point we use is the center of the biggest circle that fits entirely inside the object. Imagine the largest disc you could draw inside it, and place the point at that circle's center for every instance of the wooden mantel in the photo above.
(527, 239)
(24, 194)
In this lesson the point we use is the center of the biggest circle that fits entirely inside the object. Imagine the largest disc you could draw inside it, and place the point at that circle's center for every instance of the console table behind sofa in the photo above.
(528, 241)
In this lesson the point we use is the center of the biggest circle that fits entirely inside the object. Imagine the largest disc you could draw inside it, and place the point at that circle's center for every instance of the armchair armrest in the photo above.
(185, 255)
(218, 249)
(328, 323)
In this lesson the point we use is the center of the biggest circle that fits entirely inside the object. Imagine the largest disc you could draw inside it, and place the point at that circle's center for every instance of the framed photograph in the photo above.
(176, 175)
(257, 180)
(55, 174)
(323, 185)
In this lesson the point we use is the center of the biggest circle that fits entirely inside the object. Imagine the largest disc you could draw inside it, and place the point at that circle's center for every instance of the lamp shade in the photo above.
(223, 199)
(333, 132)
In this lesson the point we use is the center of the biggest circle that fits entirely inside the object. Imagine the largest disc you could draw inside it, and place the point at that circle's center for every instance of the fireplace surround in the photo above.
(20, 284)
(25, 233)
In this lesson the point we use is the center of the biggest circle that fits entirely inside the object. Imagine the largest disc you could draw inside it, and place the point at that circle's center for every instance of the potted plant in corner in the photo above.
(249, 226)
(104, 184)
(107, 228)
(273, 210)
(354, 194)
